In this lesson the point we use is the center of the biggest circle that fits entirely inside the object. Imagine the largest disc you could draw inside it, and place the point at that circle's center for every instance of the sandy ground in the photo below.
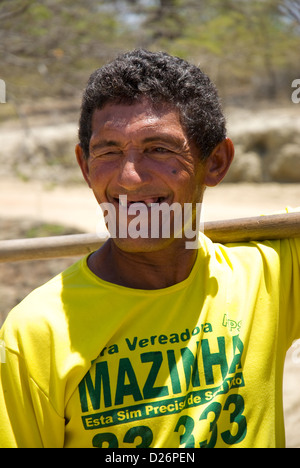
(76, 207)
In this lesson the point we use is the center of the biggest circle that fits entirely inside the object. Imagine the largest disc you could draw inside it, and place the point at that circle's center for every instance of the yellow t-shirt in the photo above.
(199, 364)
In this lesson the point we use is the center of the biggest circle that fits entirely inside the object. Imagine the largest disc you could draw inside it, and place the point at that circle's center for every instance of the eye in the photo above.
(111, 153)
(107, 154)
(160, 150)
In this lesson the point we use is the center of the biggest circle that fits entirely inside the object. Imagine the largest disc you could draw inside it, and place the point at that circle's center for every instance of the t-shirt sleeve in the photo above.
(27, 418)
(290, 286)
(290, 283)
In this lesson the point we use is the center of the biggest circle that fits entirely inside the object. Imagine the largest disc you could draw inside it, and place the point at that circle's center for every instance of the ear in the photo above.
(83, 163)
(218, 163)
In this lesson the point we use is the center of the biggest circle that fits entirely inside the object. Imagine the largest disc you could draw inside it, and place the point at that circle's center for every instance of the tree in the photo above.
(246, 46)
(50, 47)
(10, 10)
(291, 8)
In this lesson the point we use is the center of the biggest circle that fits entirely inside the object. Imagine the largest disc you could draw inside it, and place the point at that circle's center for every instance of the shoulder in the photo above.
(245, 257)
(42, 311)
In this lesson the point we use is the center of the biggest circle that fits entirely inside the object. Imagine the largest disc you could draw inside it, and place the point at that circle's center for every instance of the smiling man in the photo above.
(141, 152)
(145, 342)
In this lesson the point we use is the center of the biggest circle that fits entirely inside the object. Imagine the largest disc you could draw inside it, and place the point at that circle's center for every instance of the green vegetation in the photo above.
(49, 48)
(47, 230)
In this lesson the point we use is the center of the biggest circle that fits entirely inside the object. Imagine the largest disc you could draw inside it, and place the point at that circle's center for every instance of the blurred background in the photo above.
(48, 49)
(250, 49)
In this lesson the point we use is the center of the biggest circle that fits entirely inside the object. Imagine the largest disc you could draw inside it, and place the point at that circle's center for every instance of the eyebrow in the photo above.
(164, 138)
(105, 144)
(161, 137)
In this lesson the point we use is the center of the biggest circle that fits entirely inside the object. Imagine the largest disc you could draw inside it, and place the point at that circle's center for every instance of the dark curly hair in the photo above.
(161, 79)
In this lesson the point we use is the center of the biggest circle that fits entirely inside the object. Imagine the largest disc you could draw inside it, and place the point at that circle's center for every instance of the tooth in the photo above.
(123, 200)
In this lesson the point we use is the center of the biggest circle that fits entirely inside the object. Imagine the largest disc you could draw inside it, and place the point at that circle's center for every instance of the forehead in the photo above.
(138, 117)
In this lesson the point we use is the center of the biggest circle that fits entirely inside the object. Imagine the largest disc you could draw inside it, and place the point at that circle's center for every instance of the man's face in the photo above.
(144, 154)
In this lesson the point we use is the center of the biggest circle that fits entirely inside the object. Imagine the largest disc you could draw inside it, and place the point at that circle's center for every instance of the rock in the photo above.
(266, 142)
(285, 166)
(246, 167)
(45, 153)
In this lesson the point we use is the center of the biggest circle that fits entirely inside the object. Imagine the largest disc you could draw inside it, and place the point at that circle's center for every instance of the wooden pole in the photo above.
(229, 231)
(41, 248)
(283, 226)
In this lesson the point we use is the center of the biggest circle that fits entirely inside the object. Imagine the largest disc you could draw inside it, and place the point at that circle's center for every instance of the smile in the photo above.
(123, 201)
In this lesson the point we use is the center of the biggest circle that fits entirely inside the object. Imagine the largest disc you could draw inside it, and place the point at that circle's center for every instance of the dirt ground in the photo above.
(26, 206)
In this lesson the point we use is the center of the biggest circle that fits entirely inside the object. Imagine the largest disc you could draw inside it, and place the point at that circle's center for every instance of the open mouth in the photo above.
(124, 202)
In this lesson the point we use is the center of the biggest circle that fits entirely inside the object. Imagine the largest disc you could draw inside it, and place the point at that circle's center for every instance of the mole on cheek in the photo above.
(174, 171)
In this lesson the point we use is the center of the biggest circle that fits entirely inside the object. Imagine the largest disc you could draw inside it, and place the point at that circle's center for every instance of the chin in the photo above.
(140, 245)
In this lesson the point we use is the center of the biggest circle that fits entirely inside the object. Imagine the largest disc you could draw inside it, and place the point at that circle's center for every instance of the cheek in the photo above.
(101, 173)
(181, 184)
(184, 169)
(100, 177)
(187, 187)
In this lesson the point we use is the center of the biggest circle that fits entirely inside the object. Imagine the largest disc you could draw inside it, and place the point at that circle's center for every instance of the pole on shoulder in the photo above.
(229, 231)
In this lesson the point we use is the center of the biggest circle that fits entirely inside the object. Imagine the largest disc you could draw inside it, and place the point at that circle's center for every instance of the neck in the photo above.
(142, 270)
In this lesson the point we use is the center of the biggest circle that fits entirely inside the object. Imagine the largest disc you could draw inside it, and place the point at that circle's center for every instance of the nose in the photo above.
(133, 173)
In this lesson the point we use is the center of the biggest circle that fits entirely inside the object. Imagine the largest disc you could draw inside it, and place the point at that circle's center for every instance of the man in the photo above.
(148, 342)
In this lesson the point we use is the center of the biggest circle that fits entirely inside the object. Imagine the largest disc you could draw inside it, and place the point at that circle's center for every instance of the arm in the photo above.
(27, 418)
